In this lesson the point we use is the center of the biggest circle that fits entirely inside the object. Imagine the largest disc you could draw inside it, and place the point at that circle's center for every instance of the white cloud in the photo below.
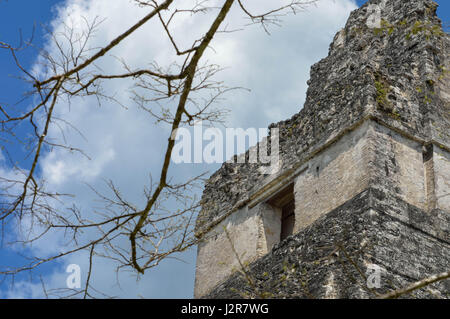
(59, 169)
(124, 144)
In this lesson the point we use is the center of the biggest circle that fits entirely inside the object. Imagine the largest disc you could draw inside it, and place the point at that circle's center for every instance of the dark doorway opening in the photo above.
(287, 220)
(284, 200)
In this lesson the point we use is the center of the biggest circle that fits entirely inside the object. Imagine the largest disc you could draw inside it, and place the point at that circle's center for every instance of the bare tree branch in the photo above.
(184, 93)
(417, 285)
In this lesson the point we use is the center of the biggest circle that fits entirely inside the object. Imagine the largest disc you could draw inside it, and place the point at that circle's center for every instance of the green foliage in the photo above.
(383, 89)
(444, 72)
(385, 27)
(427, 28)
(403, 23)
(395, 114)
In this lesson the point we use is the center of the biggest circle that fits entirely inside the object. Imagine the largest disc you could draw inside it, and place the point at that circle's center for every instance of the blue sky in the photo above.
(19, 23)
(20, 17)
(16, 21)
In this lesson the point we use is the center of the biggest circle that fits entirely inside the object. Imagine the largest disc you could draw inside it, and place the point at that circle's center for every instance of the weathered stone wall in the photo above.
(249, 234)
(369, 156)
(333, 177)
(330, 179)
(397, 73)
(397, 165)
(331, 257)
(441, 165)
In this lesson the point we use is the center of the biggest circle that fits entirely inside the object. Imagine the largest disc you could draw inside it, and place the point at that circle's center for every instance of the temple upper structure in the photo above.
(364, 184)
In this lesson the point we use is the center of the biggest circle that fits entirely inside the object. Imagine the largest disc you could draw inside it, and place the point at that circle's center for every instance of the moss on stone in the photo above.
(383, 89)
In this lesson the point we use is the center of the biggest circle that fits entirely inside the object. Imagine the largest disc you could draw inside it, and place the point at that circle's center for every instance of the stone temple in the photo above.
(361, 204)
